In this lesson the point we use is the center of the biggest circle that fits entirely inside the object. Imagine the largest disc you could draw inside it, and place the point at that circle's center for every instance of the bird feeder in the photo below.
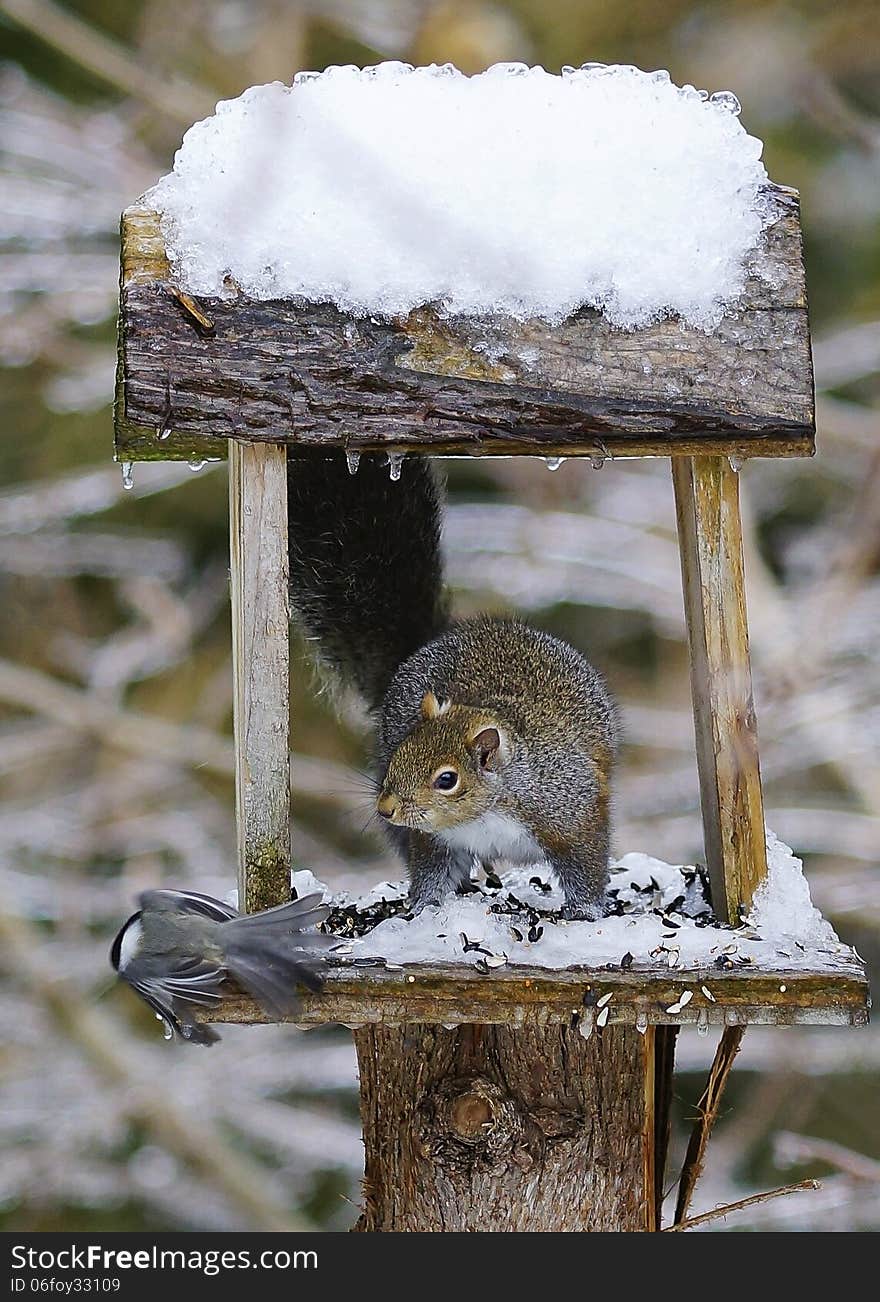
(483, 1105)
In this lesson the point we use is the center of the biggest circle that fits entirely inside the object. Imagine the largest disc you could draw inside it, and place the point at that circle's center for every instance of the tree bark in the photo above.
(502, 1129)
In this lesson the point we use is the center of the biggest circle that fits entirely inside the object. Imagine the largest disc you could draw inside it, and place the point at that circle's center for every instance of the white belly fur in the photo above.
(495, 836)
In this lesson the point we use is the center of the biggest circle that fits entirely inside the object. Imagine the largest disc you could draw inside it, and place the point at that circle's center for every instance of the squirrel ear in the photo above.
(487, 745)
(432, 708)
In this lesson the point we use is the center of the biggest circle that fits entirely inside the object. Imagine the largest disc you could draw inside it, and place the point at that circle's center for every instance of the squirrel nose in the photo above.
(386, 806)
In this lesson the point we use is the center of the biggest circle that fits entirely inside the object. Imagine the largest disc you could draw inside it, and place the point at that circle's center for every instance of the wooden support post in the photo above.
(710, 545)
(261, 669)
(504, 1128)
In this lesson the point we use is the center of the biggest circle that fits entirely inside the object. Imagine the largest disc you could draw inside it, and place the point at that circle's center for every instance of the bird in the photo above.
(179, 947)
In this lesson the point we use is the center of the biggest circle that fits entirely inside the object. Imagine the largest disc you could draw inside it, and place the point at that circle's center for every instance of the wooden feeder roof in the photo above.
(309, 376)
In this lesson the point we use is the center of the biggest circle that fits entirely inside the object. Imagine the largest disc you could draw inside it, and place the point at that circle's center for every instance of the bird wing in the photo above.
(190, 902)
(195, 982)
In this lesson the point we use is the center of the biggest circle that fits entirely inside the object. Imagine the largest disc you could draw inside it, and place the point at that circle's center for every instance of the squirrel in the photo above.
(494, 740)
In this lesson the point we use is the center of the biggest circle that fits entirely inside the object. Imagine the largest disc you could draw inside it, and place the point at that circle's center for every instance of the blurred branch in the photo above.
(84, 492)
(848, 354)
(790, 1149)
(109, 61)
(116, 1056)
(142, 734)
(823, 101)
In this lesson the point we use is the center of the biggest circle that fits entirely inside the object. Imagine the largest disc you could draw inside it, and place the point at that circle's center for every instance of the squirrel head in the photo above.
(447, 770)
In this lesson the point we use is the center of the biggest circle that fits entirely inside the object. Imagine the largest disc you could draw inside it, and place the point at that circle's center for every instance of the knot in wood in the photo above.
(469, 1121)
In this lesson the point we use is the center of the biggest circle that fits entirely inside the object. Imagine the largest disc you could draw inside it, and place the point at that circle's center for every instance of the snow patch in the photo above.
(515, 191)
(782, 905)
(660, 917)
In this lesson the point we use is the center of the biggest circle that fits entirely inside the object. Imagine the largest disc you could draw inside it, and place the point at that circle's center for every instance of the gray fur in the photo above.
(559, 718)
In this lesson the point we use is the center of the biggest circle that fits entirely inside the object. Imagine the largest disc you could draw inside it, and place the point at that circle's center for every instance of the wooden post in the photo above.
(503, 1128)
(710, 546)
(261, 669)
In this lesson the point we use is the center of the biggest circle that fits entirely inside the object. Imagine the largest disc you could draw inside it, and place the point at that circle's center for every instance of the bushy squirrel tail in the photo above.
(366, 573)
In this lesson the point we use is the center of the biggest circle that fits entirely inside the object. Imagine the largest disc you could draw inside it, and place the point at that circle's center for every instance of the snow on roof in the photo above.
(516, 191)
(659, 917)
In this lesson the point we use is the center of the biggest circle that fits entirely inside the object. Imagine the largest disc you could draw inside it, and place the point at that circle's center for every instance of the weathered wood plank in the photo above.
(260, 661)
(486, 1128)
(454, 995)
(710, 547)
(307, 374)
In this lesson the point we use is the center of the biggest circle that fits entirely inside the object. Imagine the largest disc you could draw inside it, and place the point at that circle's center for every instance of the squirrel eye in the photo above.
(445, 780)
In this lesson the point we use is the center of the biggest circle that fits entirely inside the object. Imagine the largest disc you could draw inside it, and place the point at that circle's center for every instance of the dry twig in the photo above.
(719, 1212)
(707, 1108)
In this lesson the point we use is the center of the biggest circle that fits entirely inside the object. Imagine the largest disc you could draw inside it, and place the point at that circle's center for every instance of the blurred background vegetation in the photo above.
(115, 616)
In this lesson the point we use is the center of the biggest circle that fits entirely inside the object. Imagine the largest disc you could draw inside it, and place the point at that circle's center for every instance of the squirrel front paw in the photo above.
(572, 912)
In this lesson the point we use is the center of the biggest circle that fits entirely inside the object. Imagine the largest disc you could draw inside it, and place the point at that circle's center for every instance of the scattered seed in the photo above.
(410, 978)
(782, 989)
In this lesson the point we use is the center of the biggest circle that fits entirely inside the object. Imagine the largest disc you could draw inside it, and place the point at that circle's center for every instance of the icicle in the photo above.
(736, 463)
(195, 464)
(169, 1034)
(395, 464)
(553, 463)
(642, 1023)
(702, 1024)
(352, 460)
(586, 1025)
(597, 460)
(165, 431)
(127, 476)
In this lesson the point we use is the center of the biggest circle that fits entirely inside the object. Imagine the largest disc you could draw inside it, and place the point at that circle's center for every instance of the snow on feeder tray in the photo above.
(644, 295)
